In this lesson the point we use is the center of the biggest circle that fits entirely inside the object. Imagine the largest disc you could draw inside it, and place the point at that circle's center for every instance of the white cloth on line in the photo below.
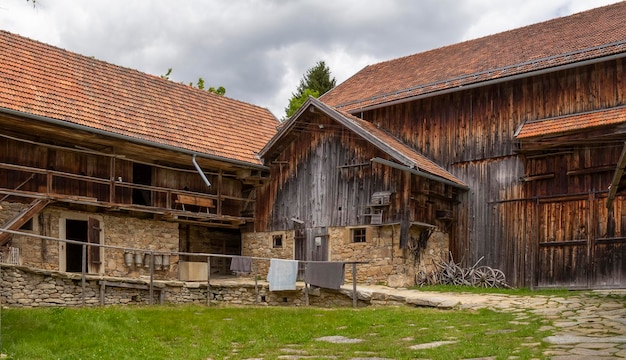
(282, 274)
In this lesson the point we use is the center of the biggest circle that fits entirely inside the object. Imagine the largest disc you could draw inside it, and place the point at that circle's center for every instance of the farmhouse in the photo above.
(508, 150)
(99, 153)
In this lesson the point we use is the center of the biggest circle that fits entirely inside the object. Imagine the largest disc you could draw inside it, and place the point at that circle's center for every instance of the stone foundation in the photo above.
(383, 260)
(22, 286)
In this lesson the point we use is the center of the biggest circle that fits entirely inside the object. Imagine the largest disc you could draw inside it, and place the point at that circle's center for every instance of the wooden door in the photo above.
(581, 245)
(564, 248)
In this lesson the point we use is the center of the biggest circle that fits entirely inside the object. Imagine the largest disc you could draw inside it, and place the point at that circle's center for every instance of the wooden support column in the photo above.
(208, 281)
(83, 278)
(219, 192)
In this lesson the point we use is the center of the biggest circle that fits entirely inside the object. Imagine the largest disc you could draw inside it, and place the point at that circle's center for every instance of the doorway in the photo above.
(75, 230)
(142, 175)
(83, 230)
(310, 245)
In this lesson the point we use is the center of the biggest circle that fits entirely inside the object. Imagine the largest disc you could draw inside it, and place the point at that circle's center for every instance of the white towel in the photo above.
(282, 274)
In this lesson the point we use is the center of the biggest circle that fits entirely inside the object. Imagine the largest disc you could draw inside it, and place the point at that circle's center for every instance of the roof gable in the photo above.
(381, 139)
(580, 37)
(50, 82)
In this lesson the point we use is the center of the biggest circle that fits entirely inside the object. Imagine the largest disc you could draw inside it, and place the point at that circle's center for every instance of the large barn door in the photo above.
(581, 243)
(564, 251)
(609, 246)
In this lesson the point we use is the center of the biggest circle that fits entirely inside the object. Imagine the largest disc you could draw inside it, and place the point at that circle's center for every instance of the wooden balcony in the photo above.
(115, 194)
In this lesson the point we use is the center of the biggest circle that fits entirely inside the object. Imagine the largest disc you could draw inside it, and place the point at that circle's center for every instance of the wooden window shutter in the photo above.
(94, 238)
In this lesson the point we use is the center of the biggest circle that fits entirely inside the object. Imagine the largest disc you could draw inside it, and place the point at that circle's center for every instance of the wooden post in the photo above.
(256, 282)
(306, 294)
(591, 237)
(151, 278)
(354, 295)
(208, 281)
(112, 180)
(83, 275)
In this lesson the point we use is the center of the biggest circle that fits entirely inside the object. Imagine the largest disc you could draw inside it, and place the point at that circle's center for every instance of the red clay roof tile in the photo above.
(587, 35)
(43, 80)
(572, 123)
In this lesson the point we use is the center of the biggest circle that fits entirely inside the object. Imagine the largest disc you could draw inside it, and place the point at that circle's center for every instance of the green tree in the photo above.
(220, 90)
(296, 101)
(316, 82)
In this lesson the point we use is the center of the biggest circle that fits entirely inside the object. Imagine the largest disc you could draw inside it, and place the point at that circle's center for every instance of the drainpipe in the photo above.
(195, 163)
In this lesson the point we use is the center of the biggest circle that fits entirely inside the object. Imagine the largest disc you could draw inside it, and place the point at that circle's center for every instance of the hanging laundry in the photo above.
(329, 275)
(241, 264)
(282, 274)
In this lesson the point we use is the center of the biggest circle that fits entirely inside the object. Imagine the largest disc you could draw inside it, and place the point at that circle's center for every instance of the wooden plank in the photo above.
(617, 177)
(194, 200)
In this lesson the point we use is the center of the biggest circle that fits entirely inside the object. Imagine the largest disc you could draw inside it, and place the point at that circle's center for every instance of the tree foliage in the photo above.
(220, 90)
(316, 82)
(296, 101)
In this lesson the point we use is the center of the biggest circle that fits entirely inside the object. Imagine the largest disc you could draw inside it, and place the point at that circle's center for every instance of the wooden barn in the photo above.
(344, 190)
(95, 152)
(526, 127)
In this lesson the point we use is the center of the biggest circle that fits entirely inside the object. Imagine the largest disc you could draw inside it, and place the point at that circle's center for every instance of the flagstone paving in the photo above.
(589, 325)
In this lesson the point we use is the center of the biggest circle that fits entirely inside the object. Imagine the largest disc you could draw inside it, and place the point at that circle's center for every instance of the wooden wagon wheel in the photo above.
(434, 278)
(499, 278)
(421, 278)
(484, 277)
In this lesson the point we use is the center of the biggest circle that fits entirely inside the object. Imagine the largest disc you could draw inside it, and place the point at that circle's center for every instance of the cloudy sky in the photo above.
(259, 50)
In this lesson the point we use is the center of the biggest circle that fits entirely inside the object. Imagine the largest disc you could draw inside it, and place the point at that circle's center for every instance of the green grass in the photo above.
(195, 332)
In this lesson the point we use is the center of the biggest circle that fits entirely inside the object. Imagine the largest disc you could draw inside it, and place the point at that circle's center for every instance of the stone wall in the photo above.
(117, 230)
(261, 244)
(384, 261)
(22, 286)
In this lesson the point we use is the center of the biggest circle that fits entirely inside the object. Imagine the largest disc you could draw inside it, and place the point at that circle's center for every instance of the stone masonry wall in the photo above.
(118, 230)
(21, 286)
(385, 263)
(260, 244)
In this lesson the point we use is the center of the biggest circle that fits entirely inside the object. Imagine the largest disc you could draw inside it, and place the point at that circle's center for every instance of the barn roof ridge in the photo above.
(545, 46)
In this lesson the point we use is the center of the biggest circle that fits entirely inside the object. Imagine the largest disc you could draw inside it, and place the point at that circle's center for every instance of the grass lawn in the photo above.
(196, 332)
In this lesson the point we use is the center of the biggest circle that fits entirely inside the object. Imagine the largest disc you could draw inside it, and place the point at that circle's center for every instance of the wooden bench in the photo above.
(103, 284)
(201, 202)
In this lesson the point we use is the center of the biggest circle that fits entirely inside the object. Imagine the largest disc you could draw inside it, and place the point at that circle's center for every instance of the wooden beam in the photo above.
(617, 177)
(537, 177)
(590, 170)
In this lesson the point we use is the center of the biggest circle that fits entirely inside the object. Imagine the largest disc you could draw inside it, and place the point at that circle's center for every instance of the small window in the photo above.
(358, 235)
(277, 241)
(28, 226)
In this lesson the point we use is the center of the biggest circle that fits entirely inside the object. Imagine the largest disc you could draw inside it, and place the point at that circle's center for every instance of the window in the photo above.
(277, 241)
(358, 235)
(28, 226)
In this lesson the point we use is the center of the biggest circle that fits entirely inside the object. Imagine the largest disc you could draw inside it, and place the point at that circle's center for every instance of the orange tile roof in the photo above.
(583, 36)
(43, 80)
(572, 123)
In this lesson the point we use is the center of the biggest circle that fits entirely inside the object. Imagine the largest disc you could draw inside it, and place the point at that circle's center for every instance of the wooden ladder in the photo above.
(22, 218)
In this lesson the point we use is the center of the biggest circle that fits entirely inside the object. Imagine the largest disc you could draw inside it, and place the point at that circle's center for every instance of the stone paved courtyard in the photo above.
(589, 325)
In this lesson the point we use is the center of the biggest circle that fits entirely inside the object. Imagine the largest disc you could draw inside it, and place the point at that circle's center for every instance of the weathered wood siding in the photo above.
(326, 178)
(471, 134)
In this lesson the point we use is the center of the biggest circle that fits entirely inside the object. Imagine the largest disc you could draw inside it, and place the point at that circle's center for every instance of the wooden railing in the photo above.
(166, 199)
